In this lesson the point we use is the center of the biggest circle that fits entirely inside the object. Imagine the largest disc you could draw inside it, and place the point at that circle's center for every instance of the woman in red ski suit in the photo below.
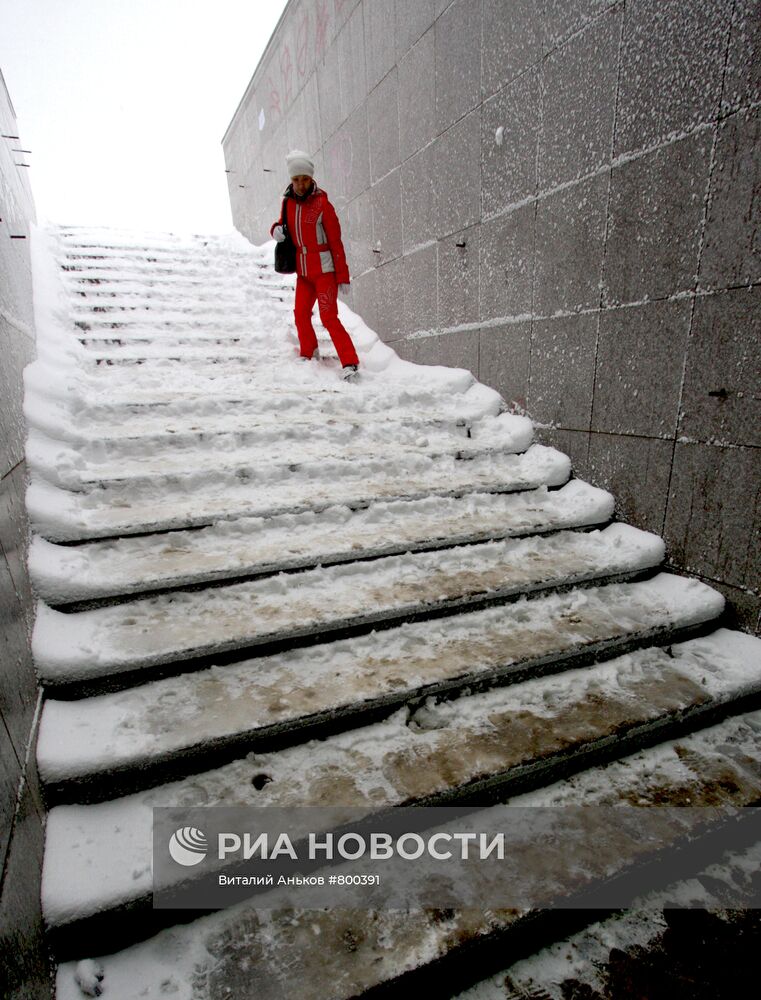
(320, 260)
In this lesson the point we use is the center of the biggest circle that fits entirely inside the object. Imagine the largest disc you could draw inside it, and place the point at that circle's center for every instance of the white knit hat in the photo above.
(299, 162)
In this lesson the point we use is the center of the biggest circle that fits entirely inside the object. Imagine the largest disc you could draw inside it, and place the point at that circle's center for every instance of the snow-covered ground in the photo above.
(210, 494)
(152, 721)
(402, 760)
(251, 546)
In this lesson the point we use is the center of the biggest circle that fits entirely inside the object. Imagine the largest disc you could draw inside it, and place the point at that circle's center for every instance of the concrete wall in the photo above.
(24, 970)
(563, 197)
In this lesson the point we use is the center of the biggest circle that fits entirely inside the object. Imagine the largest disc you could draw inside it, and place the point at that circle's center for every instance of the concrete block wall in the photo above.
(563, 197)
(24, 968)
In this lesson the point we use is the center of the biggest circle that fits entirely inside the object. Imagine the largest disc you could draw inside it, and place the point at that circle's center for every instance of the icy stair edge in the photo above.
(252, 547)
(185, 628)
(98, 747)
(476, 749)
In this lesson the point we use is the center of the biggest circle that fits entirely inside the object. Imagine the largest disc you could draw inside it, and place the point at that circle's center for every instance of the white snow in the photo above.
(363, 767)
(88, 975)
(220, 410)
(166, 397)
(199, 498)
(248, 545)
(142, 633)
(135, 972)
(94, 734)
(140, 460)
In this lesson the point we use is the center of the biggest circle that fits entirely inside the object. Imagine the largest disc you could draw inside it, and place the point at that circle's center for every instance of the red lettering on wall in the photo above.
(302, 42)
(286, 73)
(322, 16)
(274, 98)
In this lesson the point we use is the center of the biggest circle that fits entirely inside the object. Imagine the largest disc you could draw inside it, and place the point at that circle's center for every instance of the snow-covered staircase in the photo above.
(261, 585)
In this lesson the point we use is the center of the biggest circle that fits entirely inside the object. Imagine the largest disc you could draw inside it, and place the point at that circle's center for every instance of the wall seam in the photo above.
(23, 779)
(536, 41)
(698, 263)
(533, 66)
(11, 470)
(513, 319)
(532, 309)
(578, 31)
(619, 161)
(582, 178)
(602, 298)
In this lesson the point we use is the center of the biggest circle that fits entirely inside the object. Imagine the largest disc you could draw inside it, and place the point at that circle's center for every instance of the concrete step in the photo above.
(179, 296)
(279, 384)
(148, 427)
(477, 749)
(248, 547)
(167, 286)
(144, 463)
(97, 345)
(115, 409)
(59, 515)
(113, 744)
(91, 295)
(646, 952)
(157, 360)
(433, 622)
(102, 308)
(177, 254)
(162, 331)
(71, 246)
(173, 632)
(108, 269)
(164, 320)
(155, 357)
(160, 338)
(236, 317)
(179, 251)
(649, 949)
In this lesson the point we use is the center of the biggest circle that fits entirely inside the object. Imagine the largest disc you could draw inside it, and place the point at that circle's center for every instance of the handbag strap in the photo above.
(284, 215)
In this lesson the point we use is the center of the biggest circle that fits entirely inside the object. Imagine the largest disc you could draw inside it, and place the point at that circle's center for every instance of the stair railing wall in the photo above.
(559, 197)
(24, 965)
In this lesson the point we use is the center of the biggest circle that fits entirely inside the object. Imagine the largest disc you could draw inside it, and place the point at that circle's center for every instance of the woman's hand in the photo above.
(278, 234)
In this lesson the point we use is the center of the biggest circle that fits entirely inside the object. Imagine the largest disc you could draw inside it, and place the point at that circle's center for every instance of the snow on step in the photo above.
(181, 337)
(213, 354)
(243, 952)
(145, 308)
(469, 743)
(63, 516)
(251, 546)
(198, 313)
(128, 293)
(106, 462)
(163, 332)
(588, 961)
(94, 340)
(158, 288)
(164, 719)
(443, 394)
(180, 626)
(86, 411)
(153, 427)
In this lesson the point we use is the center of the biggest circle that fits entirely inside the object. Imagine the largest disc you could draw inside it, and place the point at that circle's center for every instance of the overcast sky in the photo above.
(124, 103)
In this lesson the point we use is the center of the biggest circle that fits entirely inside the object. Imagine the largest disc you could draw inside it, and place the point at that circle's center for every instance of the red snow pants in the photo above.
(324, 289)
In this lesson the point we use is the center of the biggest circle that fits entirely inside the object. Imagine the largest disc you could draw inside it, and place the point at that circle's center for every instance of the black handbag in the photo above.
(285, 252)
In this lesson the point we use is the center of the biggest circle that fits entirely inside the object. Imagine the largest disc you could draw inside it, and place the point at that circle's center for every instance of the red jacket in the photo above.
(314, 227)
